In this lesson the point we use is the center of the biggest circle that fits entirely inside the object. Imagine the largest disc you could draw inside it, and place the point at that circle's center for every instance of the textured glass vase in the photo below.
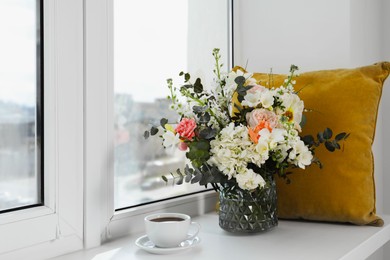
(244, 212)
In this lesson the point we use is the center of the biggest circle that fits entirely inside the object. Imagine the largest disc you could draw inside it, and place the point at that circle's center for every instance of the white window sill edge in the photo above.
(290, 240)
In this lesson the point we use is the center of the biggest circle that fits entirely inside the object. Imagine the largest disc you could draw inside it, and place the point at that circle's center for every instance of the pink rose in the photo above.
(257, 88)
(186, 128)
(259, 115)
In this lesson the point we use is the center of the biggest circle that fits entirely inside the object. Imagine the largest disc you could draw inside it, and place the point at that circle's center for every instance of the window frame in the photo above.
(57, 226)
(102, 222)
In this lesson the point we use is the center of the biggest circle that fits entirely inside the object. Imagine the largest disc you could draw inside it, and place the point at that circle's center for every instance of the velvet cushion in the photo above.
(345, 100)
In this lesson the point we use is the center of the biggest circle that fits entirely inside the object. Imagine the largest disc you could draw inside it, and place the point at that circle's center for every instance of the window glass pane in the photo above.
(19, 102)
(154, 40)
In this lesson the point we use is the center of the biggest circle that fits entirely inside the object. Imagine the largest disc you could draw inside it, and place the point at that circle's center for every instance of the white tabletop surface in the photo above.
(290, 240)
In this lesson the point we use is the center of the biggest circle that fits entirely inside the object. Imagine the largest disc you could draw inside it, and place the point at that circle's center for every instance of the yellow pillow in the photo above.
(345, 100)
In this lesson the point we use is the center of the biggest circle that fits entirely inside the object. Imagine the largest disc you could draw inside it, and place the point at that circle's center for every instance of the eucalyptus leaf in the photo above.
(308, 140)
(208, 133)
(329, 145)
(188, 170)
(153, 130)
(241, 90)
(197, 178)
(180, 181)
(320, 137)
(327, 133)
(199, 109)
(240, 80)
(164, 178)
(205, 118)
(340, 136)
(188, 178)
(303, 121)
(336, 144)
(198, 87)
(163, 122)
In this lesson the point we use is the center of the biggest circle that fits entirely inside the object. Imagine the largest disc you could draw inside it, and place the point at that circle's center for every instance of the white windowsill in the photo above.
(290, 240)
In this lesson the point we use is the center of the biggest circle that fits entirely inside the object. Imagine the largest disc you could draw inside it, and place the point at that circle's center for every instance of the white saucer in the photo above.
(147, 245)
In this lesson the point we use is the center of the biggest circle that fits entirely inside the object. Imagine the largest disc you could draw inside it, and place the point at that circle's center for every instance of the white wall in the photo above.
(322, 34)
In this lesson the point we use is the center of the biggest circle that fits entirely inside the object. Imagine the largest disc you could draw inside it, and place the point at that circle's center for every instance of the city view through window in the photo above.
(19, 87)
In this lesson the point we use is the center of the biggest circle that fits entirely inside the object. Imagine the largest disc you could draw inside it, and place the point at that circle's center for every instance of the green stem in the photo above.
(216, 57)
(289, 78)
(170, 86)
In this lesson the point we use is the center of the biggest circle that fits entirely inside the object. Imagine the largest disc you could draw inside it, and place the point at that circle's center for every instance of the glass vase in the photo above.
(246, 212)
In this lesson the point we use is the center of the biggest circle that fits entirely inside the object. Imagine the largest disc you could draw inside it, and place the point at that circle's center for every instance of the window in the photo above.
(106, 134)
(21, 118)
(50, 219)
(180, 37)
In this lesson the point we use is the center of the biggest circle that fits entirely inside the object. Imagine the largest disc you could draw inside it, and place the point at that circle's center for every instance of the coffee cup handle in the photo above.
(197, 226)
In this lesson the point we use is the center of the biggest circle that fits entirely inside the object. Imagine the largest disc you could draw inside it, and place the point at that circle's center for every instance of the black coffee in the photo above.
(166, 219)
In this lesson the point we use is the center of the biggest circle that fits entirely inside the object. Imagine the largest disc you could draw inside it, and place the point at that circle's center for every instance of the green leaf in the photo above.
(329, 145)
(164, 178)
(146, 134)
(153, 130)
(203, 145)
(187, 77)
(163, 122)
(328, 133)
(181, 73)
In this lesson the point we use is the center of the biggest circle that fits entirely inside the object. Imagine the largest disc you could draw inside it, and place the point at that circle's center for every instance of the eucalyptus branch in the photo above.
(187, 94)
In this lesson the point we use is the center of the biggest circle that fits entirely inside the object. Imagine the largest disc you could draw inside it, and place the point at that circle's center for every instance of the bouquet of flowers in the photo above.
(240, 131)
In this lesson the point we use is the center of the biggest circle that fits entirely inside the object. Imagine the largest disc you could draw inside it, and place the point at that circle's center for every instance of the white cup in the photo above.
(170, 229)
